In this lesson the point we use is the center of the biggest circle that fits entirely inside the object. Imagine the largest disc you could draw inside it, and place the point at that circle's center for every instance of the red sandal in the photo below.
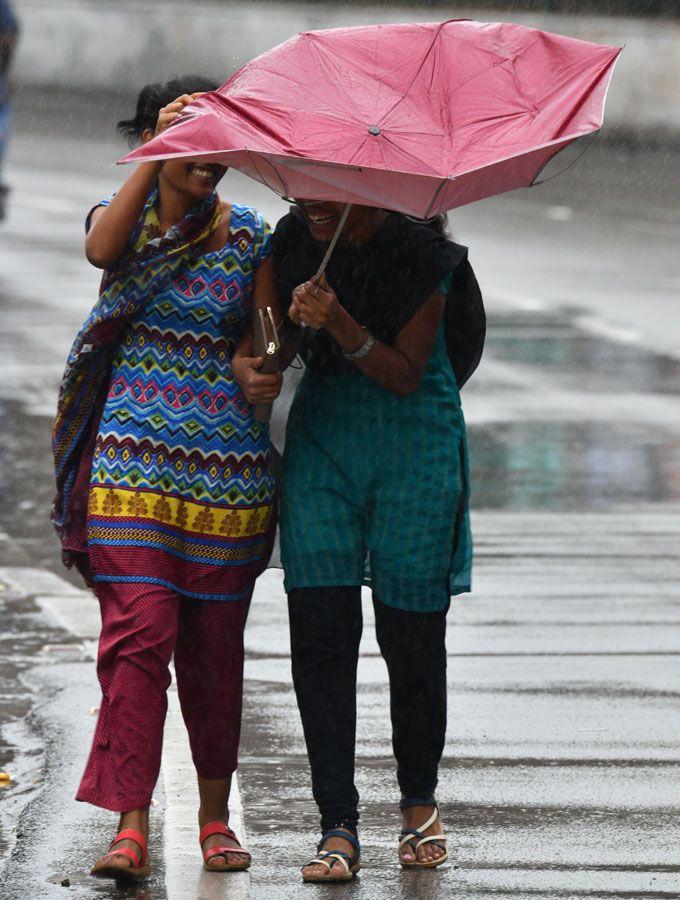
(209, 854)
(139, 868)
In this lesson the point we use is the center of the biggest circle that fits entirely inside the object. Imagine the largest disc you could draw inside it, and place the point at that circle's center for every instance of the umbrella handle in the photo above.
(331, 247)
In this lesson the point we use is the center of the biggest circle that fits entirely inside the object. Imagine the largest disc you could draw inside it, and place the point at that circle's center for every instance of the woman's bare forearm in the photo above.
(391, 369)
(112, 225)
(399, 368)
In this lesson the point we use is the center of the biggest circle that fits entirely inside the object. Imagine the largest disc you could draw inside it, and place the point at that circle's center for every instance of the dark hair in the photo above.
(154, 97)
(440, 224)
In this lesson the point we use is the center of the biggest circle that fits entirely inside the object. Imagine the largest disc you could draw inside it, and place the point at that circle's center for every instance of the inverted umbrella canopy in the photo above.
(416, 118)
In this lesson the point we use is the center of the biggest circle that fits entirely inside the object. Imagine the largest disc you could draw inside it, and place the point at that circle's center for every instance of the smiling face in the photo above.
(323, 217)
(189, 176)
(195, 179)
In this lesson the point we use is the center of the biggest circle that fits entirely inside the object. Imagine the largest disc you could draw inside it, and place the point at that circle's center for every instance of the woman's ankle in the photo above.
(214, 800)
(409, 800)
(136, 819)
(206, 815)
(344, 824)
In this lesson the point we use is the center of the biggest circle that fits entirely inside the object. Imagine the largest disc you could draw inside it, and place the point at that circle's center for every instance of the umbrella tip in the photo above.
(374, 130)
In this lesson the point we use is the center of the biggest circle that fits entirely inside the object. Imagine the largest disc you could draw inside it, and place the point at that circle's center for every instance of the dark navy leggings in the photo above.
(325, 630)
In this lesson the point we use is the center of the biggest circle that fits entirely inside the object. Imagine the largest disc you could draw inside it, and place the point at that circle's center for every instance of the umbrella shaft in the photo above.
(331, 247)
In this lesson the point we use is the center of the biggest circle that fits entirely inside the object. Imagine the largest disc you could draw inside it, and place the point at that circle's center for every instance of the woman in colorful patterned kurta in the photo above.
(181, 489)
(156, 433)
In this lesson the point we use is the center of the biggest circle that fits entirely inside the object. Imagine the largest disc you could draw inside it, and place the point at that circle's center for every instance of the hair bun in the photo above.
(153, 97)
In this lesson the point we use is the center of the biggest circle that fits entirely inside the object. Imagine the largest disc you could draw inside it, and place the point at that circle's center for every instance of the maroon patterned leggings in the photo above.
(142, 626)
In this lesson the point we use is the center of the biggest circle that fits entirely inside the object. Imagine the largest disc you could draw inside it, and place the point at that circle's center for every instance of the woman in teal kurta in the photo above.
(375, 486)
(374, 491)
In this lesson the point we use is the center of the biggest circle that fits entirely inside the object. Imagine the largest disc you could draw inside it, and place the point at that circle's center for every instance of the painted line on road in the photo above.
(184, 873)
(612, 331)
(523, 302)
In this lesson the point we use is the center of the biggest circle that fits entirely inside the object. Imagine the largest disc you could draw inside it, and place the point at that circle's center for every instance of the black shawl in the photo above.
(382, 284)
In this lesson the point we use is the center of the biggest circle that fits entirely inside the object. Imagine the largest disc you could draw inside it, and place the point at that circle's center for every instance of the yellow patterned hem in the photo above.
(173, 543)
(125, 503)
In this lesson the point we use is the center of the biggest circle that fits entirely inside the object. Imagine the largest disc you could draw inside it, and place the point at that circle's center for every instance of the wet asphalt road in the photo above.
(560, 778)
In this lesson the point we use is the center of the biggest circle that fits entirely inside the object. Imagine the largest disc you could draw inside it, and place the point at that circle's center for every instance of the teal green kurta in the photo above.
(375, 488)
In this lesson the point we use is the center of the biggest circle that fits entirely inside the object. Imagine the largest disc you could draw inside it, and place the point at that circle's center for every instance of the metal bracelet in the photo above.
(364, 350)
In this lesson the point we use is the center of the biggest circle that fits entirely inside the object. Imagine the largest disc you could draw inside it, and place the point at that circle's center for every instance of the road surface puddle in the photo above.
(591, 459)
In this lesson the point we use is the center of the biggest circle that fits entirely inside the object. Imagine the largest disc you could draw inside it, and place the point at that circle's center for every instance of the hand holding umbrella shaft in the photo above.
(398, 368)
(316, 304)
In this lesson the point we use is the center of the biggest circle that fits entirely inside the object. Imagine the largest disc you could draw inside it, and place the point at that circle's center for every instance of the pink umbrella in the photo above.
(414, 118)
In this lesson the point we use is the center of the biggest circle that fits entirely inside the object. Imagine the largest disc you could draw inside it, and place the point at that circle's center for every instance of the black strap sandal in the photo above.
(340, 865)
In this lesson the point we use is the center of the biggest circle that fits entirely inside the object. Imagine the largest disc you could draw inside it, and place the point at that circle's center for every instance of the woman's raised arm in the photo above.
(112, 225)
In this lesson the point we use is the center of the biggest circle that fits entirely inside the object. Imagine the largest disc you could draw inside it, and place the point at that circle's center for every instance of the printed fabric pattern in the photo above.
(179, 485)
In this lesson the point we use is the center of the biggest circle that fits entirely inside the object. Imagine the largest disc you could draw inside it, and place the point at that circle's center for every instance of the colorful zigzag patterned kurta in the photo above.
(181, 491)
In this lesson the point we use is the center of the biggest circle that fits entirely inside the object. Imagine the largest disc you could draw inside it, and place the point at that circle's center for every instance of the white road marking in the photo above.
(34, 582)
(184, 873)
(597, 325)
(522, 302)
(611, 331)
(559, 213)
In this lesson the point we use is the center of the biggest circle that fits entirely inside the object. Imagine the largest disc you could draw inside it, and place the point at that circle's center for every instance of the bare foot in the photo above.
(337, 868)
(412, 817)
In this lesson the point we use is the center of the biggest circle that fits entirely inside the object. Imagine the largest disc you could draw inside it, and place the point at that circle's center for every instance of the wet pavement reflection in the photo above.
(552, 343)
(548, 465)
(586, 464)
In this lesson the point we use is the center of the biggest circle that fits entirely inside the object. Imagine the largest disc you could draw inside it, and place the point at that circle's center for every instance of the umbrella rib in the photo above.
(440, 188)
(280, 177)
(586, 147)
(314, 93)
(426, 56)
(264, 180)
(324, 64)
(463, 84)
(409, 156)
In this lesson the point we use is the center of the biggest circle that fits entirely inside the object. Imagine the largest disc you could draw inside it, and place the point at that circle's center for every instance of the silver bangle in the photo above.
(364, 350)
